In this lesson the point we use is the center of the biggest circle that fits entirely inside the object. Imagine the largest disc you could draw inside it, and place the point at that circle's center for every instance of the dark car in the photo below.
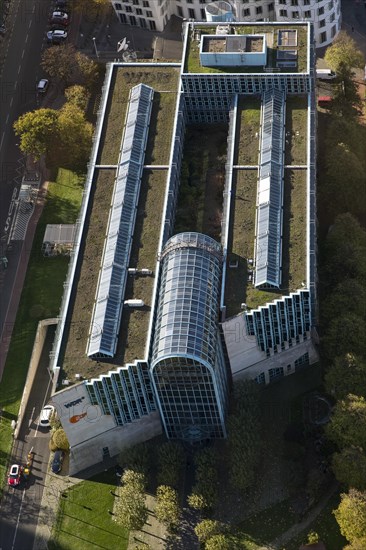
(57, 461)
(62, 5)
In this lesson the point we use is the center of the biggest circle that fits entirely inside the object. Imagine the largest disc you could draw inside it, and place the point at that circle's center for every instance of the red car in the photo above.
(15, 475)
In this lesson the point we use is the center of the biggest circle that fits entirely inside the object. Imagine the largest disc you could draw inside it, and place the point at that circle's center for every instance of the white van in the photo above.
(325, 74)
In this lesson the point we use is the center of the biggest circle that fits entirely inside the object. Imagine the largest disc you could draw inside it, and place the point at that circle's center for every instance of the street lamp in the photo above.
(95, 46)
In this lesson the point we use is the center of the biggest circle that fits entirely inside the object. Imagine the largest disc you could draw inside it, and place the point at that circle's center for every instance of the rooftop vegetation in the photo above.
(124, 78)
(247, 131)
(193, 65)
(242, 229)
(147, 231)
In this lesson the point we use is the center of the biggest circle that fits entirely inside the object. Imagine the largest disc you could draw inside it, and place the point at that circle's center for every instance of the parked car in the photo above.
(42, 86)
(45, 416)
(60, 18)
(62, 5)
(15, 475)
(56, 464)
(56, 36)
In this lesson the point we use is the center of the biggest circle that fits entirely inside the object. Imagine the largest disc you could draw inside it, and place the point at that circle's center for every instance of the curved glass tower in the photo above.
(187, 366)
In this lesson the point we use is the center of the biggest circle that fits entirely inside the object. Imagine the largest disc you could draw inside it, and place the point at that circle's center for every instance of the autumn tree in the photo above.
(348, 423)
(167, 509)
(171, 460)
(130, 508)
(219, 542)
(37, 130)
(59, 62)
(59, 438)
(88, 69)
(351, 515)
(208, 528)
(77, 95)
(136, 458)
(349, 467)
(358, 544)
(344, 51)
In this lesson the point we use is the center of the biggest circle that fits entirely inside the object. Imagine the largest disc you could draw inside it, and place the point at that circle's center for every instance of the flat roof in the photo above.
(134, 326)
(278, 37)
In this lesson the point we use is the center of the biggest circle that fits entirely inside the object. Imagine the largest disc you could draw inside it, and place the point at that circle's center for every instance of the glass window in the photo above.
(321, 10)
(246, 12)
(152, 25)
(323, 36)
(258, 10)
(118, 6)
(283, 13)
(322, 24)
(191, 13)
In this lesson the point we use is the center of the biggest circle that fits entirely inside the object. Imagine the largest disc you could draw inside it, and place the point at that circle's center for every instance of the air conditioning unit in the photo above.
(78, 377)
(65, 382)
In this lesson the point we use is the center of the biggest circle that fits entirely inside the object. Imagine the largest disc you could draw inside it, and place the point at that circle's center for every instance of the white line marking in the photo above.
(19, 68)
(7, 119)
(17, 525)
(11, 101)
(26, 38)
(23, 52)
(2, 139)
(30, 23)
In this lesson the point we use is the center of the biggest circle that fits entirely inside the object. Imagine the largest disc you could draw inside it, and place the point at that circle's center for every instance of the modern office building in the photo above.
(187, 365)
(154, 14)
(156, 323)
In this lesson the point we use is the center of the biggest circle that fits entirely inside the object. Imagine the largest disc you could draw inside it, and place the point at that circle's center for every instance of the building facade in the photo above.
(154, 14)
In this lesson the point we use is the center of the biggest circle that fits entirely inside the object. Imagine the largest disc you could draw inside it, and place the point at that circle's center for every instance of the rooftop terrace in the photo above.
(287, 50)
(135, 322)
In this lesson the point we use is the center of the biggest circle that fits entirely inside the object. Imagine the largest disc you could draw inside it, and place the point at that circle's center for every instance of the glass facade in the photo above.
(188, 367)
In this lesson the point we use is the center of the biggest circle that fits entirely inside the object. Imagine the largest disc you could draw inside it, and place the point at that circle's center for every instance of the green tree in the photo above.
(219, 542)
(78, 96)
(349, 467)
(351, 515)
(345, 181)
(75, 134)
(207, 528)
(344, 252)
(348, 423)
(167, 509)
(59, 62)
(344, 51)
(347, 374)
(244, 435)
(342, 298)
(345, 333)
(171, 460)
(204, 493)
(346, 99)
(37, 130)
(137, 458)
(60, 439)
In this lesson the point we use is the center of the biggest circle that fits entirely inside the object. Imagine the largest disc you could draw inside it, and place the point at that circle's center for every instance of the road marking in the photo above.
(23, 52)
(26, 38)
(11, 101)
(17, 525)
(7, 119)
(19, 68)
(2, 139)
(30, 23)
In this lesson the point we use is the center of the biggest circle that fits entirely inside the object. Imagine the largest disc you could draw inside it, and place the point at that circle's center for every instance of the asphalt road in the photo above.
(20, 506)
(25, 40)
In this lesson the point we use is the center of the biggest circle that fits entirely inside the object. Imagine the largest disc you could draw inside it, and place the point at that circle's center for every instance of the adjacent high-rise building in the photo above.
(154, 14)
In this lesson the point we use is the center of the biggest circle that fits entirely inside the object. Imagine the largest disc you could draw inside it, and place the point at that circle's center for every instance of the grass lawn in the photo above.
(83, 520)
(41, 298)
(326, 527)
(248, 127)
